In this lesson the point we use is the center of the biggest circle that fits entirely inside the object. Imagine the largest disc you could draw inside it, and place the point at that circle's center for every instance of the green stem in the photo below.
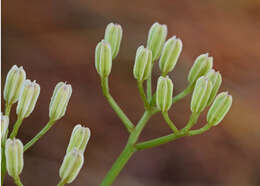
(142, 93)
(160, 141)
(182, 94)
(3, 164)
(127, 152)
(39, 135)
(8, 109)
(149, 88)
(105, 88)
(169, 122)
(118, 165)
(201, 130)
(16, 127)
(193, 120)
(18, 181)
(62, 183)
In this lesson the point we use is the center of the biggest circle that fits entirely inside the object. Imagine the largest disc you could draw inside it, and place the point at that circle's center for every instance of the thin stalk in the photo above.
(62, 183)
(182, 94)
(3, 164)
(17, 181)
(105, 88)
(39, 135)
(149, 88)
(142, 93)
(128, 151)
(16, 127)
(201, 130)
(8, 109)
(169, 122)
(193, 120)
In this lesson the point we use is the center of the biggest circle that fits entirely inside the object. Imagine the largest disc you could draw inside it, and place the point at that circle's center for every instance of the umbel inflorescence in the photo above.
(26, 92)
(203, 82)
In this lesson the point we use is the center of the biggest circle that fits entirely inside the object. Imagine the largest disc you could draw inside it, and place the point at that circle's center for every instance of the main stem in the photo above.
(128, 151)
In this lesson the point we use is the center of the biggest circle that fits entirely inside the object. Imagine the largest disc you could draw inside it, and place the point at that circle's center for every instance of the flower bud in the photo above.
(156, 38)
(201, 66)
(13, 84)
(143, 63)
(113, 35)
(200, 95)
(170, 55)
(216, 80)
(103, 58)
(59, 100)
(71, 165)
(4, 127)
(14, 157)
(79, 138)
(28, 98)
(219, 108)
(164, 93)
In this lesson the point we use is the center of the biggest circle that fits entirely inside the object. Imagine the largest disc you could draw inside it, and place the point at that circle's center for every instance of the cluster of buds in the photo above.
(74, 158)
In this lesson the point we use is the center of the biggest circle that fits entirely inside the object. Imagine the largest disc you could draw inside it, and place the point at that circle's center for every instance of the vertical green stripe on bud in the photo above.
(201, 95)
(156, 38)
(4, 127)
(216, 80)
(103, 58)
(201, 66)
(143, 63)
(14, 157)
(27, 99)
(164, 93)
(79, 138)
(219, 108)
(113, 35)
(170, 55)
(71, 165)
(13, 84)
(59, 101)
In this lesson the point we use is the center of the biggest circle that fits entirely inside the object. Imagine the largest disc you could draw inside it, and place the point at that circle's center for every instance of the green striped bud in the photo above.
(113, 35)
(164, 93)
(103, 58)
(59, 101)
(201, 66)
(200, 95)
(13, 84)
(219, 108)
(79, 138)
(216, 80)
(4, 127)
(28, 98)
(170, 55)
(71, 165)
(14, 157)
(156, 38)
(143, 63)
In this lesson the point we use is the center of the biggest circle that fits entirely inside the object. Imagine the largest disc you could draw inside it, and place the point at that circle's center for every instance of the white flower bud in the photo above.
(59, 101)
(4, 126)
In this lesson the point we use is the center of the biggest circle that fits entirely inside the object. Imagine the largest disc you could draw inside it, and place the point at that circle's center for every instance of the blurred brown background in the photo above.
(55, 40)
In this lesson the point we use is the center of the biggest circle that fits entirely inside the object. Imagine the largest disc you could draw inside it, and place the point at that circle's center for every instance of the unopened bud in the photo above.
(71, 165)
(59, 100)
(200, 95)
(27, 99)
(201, 66)
(156, 38)
(164, 93)
(79, 138)
(170, 55)
(143, 63)
(113, 35)
(14, 157)
(13, 84)
(216, 80)
(219, 108)
(4, 127)
(103, 58)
